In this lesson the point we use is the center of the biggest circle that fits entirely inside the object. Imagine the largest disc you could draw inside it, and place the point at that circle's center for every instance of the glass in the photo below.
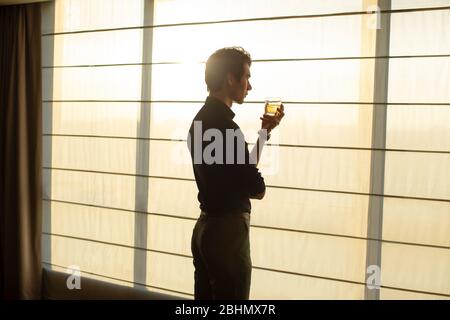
(271, 106)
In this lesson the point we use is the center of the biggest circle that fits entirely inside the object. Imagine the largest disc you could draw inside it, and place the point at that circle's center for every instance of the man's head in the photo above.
(228, 70)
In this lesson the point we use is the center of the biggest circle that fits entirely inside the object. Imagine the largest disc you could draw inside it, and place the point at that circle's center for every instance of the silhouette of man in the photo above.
(227, 178)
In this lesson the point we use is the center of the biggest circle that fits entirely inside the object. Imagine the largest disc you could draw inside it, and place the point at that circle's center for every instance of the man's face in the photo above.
(239, 88)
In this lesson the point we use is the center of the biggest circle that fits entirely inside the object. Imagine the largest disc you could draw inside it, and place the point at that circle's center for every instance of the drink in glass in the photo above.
(271, 106)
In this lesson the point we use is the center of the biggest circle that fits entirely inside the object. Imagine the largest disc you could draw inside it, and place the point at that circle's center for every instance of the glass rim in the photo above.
(272, 99)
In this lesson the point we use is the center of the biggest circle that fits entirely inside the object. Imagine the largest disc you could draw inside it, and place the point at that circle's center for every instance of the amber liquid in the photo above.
(271, 108)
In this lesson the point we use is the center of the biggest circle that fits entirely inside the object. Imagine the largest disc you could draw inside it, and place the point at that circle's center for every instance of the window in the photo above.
(358, 173)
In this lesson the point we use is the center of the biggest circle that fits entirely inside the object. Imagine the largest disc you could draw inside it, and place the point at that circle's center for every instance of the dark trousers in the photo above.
(221, 251)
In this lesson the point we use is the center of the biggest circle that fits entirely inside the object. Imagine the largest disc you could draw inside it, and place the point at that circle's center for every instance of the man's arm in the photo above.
(268, 123)
(255, 154)
(256, 186)
(254, 181)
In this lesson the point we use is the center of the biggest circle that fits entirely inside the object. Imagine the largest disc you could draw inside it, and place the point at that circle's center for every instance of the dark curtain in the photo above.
(21, 152)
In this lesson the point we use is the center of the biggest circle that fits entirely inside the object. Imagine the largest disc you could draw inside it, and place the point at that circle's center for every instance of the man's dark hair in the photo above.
(221, 62)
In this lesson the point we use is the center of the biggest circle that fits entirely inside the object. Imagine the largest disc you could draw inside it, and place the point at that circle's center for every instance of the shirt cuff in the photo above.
(264, 134)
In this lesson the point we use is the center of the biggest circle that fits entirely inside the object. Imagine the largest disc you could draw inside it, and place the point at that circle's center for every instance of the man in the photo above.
(226, 177)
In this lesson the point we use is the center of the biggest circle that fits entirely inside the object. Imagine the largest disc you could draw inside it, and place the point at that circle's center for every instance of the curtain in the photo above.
(358, 172)
(21, 153)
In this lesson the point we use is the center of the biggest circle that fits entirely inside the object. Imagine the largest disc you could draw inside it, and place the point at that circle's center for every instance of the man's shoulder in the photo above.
(203, 114)
(209, 118)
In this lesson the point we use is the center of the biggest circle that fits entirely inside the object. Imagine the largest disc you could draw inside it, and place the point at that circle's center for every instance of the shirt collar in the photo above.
(220, 106)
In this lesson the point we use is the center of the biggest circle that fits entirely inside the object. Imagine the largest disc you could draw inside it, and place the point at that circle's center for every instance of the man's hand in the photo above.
(270, 122)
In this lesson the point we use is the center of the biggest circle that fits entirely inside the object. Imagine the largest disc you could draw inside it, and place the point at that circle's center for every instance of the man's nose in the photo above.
(249, 87)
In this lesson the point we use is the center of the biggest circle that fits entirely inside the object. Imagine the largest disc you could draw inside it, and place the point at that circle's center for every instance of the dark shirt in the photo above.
(226, 184)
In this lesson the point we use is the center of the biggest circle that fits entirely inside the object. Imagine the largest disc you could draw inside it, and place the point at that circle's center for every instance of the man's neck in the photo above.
(222, 97)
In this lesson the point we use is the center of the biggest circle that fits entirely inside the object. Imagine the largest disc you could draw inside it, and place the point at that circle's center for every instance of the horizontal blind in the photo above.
(421, 84)
(122, 85)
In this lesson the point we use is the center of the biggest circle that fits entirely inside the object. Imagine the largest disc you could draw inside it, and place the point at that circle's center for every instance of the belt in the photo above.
(206, 214)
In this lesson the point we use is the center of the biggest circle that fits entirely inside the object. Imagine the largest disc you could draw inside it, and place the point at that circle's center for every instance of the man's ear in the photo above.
(230, 79)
